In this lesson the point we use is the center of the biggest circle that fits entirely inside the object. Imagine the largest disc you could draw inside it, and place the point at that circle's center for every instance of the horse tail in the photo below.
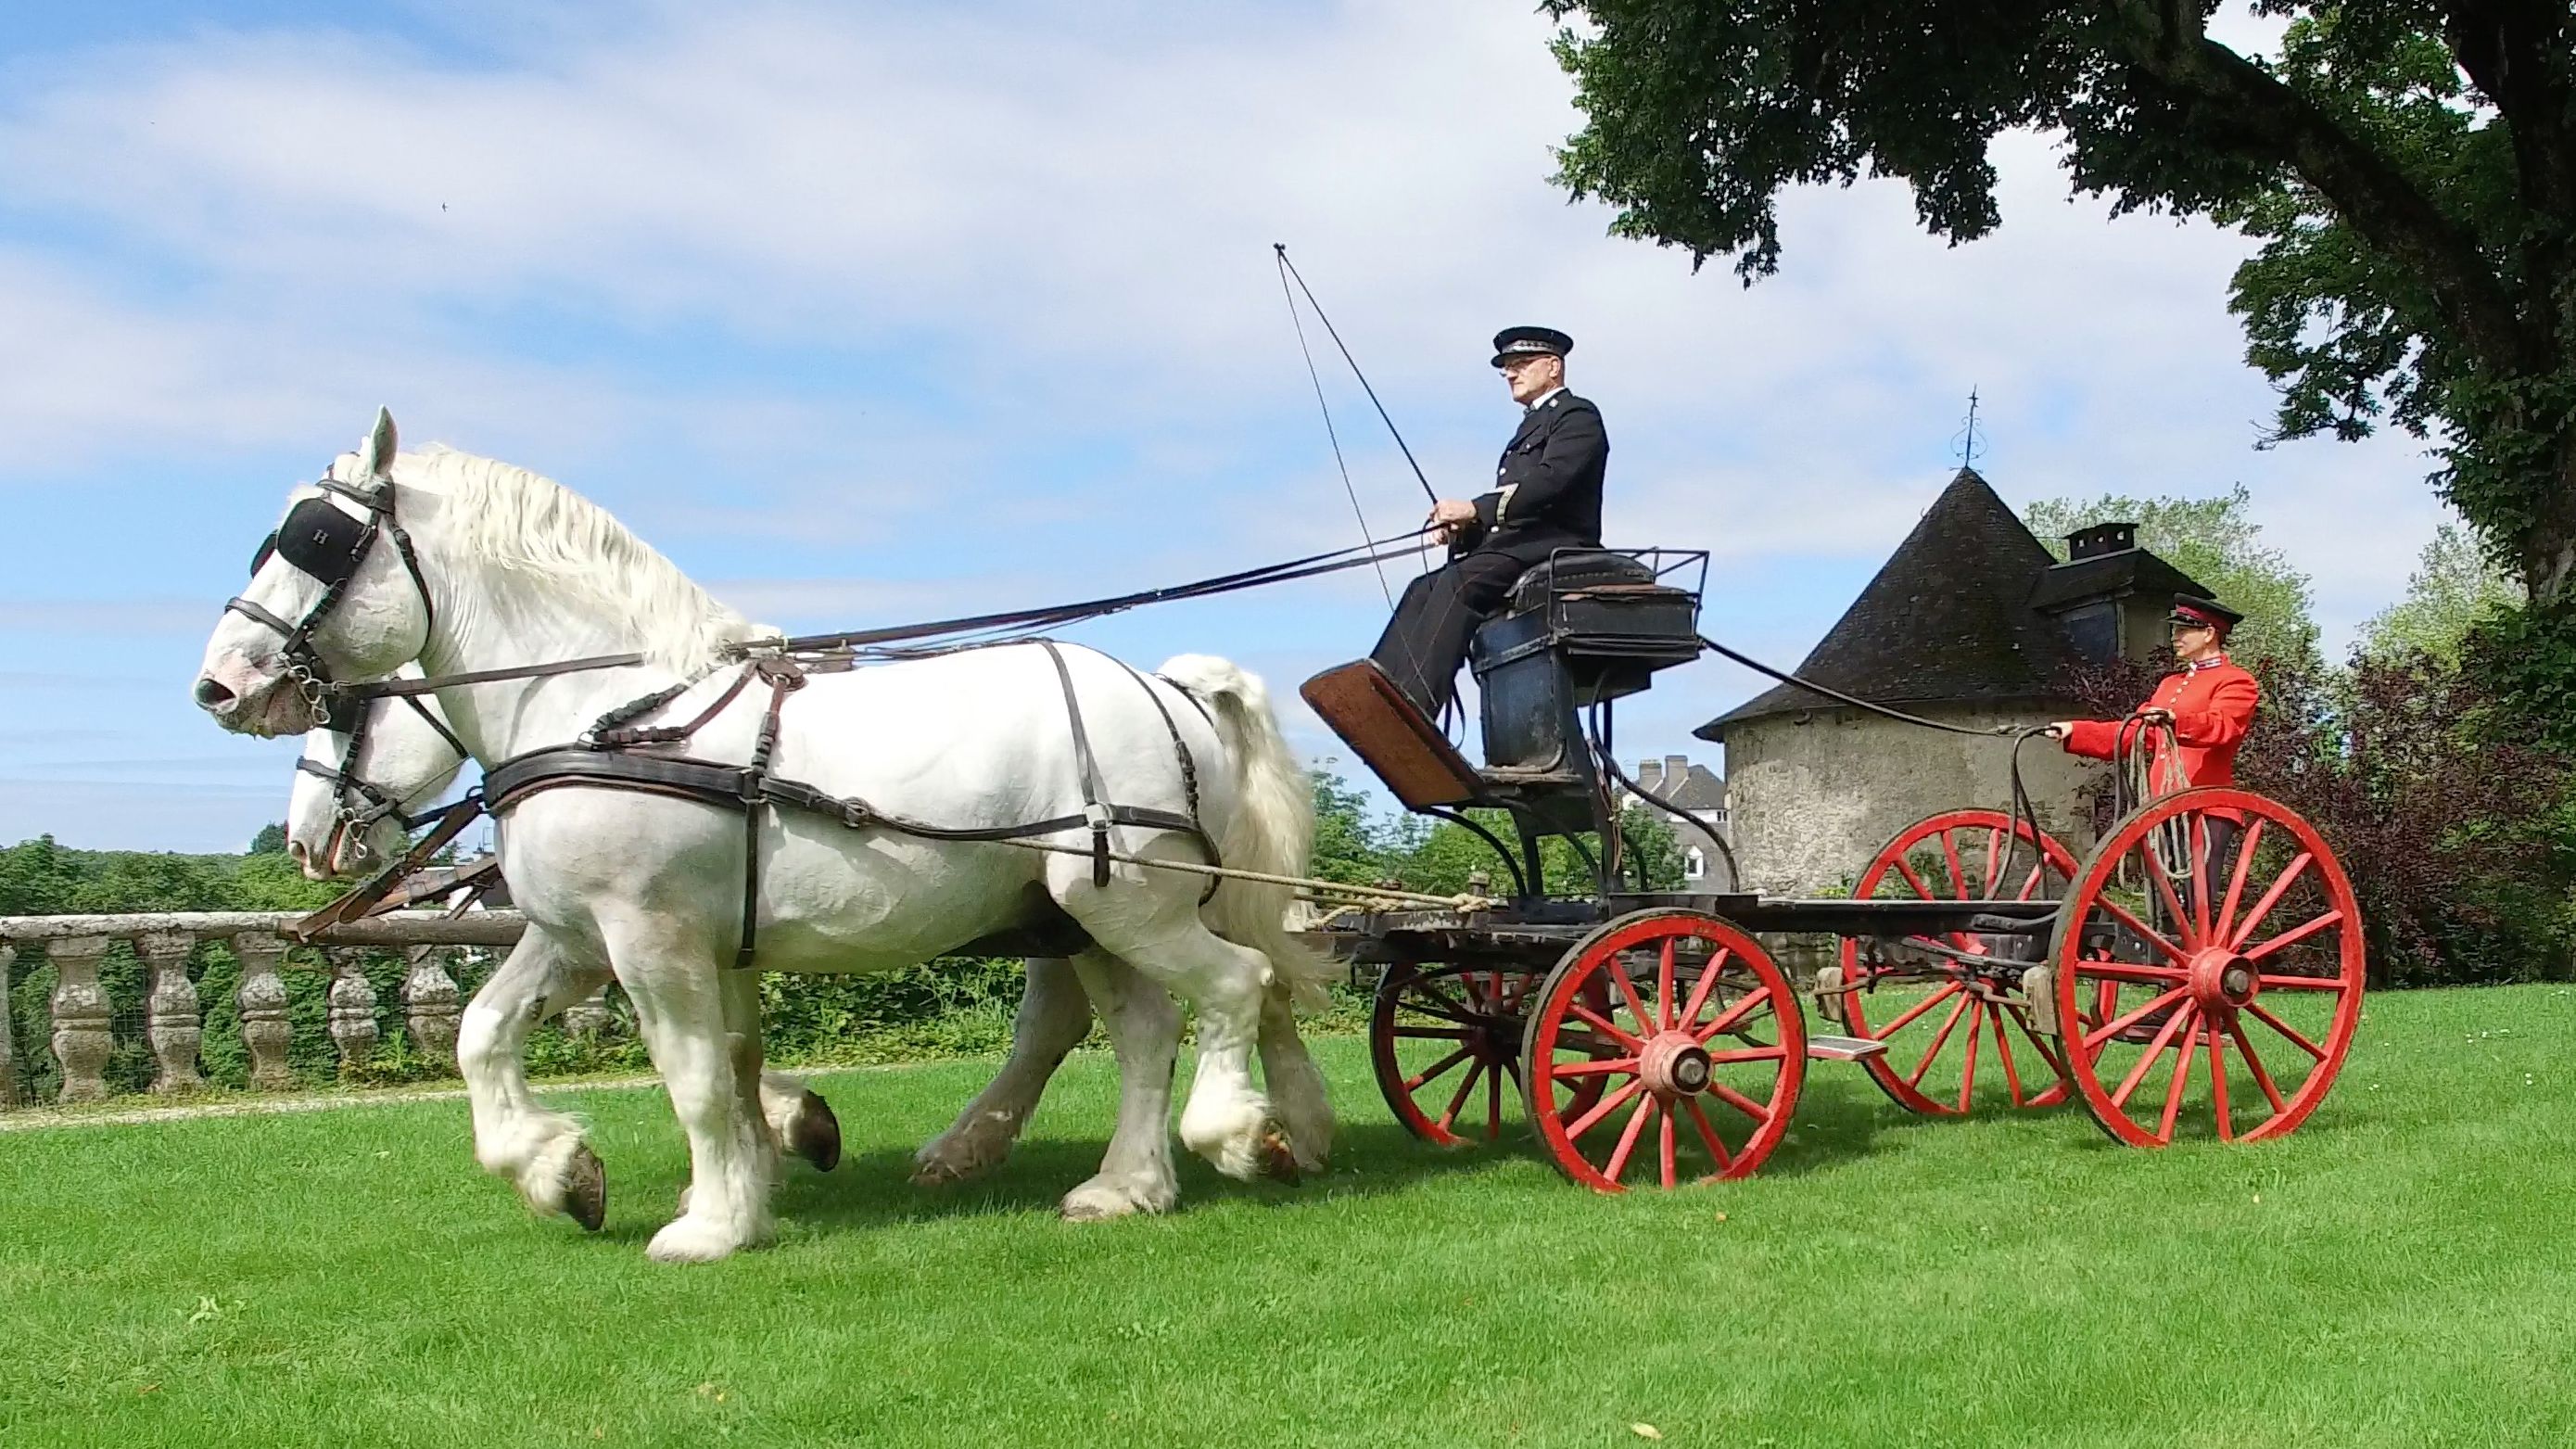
(1272, 827)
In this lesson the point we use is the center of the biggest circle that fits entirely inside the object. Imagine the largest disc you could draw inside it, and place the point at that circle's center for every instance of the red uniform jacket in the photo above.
(2213, 706)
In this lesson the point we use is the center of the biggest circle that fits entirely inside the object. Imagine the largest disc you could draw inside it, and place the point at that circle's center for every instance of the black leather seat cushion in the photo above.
(1576, 569)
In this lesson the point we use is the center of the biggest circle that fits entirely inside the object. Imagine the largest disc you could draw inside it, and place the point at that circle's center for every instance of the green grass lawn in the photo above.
(2400, 1272)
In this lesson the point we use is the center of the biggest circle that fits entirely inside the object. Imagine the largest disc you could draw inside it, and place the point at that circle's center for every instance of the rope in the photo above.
(1463, 901)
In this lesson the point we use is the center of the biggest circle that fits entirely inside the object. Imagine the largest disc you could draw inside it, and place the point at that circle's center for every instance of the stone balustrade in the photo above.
(170, 1021)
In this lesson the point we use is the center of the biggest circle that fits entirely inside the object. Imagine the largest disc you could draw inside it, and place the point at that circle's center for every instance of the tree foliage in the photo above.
(2409, 167)
(2214, 541)
(2454, 590)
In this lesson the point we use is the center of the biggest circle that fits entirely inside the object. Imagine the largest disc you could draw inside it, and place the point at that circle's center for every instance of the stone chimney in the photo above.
(2100, 539)
(1650, 776)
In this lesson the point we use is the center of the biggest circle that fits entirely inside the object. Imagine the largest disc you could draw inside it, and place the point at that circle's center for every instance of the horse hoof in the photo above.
(586, 1189)
(1278, 1159)
(817, 1136)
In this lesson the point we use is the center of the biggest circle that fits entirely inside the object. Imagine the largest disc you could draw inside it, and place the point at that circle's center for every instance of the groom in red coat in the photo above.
(2210, 703)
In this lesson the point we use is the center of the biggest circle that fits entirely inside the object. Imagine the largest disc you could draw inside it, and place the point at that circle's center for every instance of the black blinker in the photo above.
(267, 551)
(323, 541)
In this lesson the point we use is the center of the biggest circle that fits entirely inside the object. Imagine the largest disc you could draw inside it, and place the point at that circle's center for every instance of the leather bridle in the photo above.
(329, 546)
(358, 802)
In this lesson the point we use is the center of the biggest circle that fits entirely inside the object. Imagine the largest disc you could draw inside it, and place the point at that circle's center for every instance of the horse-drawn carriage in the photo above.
(1652, 1036)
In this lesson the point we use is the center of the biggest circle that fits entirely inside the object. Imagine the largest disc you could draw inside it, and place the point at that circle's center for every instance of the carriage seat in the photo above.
(1576, 569)
(1603, 619)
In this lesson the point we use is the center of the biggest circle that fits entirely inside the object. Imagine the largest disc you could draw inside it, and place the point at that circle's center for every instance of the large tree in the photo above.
(2409, 166)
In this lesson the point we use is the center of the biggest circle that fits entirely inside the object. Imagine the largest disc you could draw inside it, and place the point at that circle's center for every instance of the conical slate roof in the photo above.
(1948, 620)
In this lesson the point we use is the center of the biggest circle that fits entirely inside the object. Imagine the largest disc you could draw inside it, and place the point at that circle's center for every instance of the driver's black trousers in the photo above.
(1426, 641)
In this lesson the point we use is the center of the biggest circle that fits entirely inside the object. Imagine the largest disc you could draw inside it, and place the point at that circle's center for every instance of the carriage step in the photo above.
(1844, 1048)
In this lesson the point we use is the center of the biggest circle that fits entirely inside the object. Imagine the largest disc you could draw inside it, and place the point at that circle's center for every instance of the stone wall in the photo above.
(1813, 794)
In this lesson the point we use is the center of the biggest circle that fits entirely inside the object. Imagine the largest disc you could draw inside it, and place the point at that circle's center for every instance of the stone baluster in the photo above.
(8, 1042)
(353, 1009)
(265, 1029)
(430, 1005)
(81, 1037)
(591, 1016)
(172, 1022)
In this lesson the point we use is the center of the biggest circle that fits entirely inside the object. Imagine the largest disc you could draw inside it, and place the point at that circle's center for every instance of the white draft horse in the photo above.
(403, 756)
(502, 569)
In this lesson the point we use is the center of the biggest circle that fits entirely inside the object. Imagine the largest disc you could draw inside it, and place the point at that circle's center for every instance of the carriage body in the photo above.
(1649, 1037)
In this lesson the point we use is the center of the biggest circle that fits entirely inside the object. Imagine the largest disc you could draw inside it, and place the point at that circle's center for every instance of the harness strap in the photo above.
(382, 884)
(1086, 768)
(622, 736)
(396, 688)
(784, 679)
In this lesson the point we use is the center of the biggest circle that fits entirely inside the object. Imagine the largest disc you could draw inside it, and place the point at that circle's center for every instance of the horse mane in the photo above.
(525, 523)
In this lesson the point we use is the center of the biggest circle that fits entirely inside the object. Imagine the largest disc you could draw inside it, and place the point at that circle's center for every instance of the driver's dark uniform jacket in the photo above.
(1547, 496)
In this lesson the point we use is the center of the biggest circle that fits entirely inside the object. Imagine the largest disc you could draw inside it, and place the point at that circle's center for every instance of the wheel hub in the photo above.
(2222, 979)
(1674, 1065)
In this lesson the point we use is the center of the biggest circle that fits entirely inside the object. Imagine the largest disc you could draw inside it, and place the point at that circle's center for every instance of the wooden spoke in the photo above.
(1921, 891)
(1708, 1134)
(1938, 1037)
(2224, 930)
(1602, 1024)
(2174, 1089)
(1708, 975)
(2003, 1052)
(1920, 1007)
(2182, 1016)
(1727, 1020)
(2173, 902)
(2300, 932)
(2130, 972)
(2255, 1010)
(1636, 1004)
(1618, 1165)
(1739, 1101)
(1958, 872)
(2254, 1066)
(1664, 1146)
(2218, 1083)
(1433, 1072)
(1968, 1068)
(1603, 1108)
(1610, 1068)
(1434, 1033)
(1449, 1119)
(2111, 1029)
(2272, 897)
(2146, 933)
(1664, 987)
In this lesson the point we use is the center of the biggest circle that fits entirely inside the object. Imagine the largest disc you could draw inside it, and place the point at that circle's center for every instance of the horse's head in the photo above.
(332, 597)
(366, 770)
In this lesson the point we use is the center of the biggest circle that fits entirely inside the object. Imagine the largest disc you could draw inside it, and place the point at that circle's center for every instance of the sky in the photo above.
(865, 314)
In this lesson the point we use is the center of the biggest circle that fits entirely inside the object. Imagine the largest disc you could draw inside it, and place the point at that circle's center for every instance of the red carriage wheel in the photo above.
(1446, 1043)
(1946, 1035)
(2238, 984)
(1664, 1048)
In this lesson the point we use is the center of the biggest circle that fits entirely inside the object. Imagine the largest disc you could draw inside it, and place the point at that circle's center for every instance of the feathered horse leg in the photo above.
(541, 1152)
(1054, 1017)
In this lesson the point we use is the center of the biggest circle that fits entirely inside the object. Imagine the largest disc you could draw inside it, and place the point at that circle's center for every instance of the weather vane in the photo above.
(1967, 436)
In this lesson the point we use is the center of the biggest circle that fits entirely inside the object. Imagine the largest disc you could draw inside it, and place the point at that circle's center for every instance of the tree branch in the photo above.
(2507, 50)
(2165, 40)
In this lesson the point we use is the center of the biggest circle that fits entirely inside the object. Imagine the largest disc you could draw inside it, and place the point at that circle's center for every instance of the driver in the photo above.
(1547, 496)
